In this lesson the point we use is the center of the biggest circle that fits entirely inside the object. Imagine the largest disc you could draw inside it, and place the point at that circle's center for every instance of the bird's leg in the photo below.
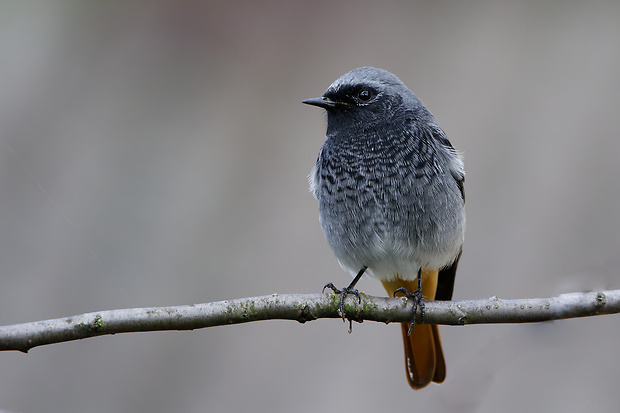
(347, 290)
(418, 300)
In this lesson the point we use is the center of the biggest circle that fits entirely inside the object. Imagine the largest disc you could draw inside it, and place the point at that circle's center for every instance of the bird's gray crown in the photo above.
(367, 76)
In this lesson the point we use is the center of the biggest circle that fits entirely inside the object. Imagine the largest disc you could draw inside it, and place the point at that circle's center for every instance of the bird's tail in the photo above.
(424, 362)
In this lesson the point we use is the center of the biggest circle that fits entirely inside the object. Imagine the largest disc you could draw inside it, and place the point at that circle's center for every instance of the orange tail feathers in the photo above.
(424, 361)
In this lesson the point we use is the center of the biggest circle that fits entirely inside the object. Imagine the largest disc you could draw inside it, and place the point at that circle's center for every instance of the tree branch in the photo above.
(302, 308)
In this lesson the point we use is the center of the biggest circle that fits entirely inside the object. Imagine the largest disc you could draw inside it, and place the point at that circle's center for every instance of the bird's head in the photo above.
(368, 96)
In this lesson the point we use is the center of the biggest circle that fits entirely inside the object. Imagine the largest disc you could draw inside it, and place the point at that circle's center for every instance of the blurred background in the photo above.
(156, 153)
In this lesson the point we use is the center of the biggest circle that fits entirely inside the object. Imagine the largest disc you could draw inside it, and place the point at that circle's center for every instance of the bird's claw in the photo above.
(418, 302)
(343, 294)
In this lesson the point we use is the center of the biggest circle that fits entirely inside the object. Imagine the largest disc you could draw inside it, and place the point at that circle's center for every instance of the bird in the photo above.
(390, 191)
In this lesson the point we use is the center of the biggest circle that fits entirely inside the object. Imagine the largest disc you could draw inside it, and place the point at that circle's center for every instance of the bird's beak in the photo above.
(324, 102)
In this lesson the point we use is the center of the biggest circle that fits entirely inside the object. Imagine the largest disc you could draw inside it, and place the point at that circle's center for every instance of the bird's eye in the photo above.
(364, 95)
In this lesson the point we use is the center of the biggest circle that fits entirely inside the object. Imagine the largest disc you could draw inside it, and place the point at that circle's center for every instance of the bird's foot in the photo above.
(343, 294)
(418, 302)
(346, 291)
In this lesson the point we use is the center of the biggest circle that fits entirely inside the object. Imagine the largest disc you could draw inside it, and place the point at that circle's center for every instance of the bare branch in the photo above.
(302, 308)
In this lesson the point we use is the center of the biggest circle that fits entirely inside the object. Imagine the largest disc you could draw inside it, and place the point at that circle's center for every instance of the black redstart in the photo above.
(391, 200)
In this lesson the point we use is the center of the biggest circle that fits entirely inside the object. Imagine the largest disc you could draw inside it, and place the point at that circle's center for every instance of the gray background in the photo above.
(156, 154)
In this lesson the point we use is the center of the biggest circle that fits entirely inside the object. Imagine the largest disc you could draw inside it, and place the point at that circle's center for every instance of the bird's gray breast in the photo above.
(389, 204)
